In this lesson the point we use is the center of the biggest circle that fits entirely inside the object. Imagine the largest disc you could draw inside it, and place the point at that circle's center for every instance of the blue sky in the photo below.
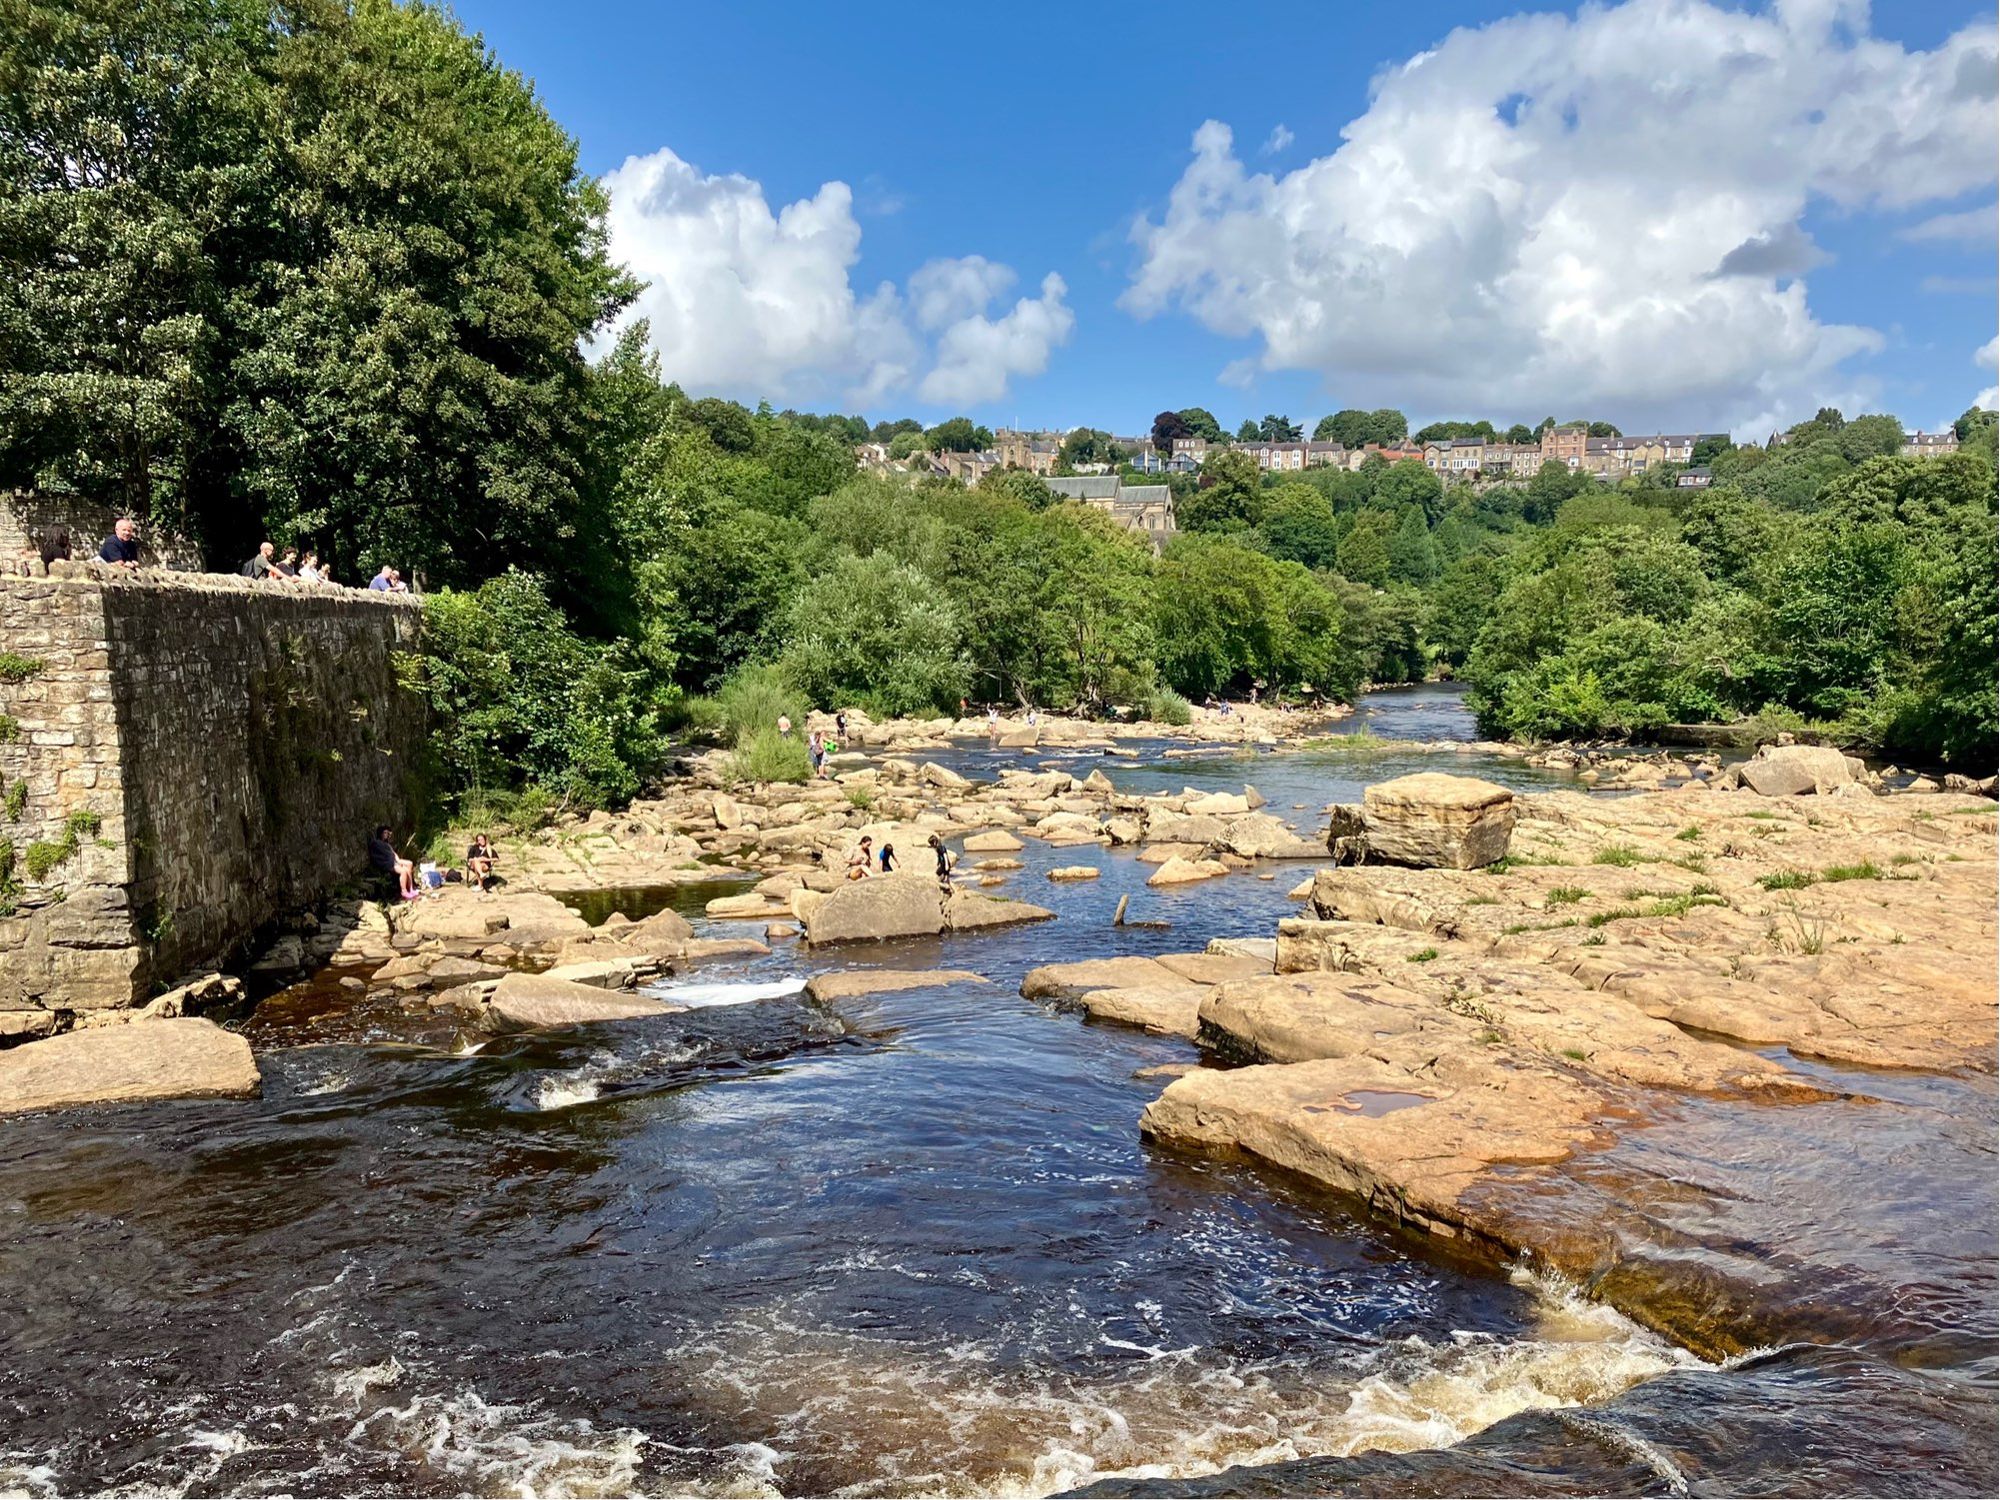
(1662, 212)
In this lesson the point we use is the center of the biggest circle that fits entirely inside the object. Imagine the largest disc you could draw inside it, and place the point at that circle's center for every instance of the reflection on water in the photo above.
(912, 1244)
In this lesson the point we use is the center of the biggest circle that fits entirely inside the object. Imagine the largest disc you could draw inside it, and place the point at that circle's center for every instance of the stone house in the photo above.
(1921, 444)
(1145, 508)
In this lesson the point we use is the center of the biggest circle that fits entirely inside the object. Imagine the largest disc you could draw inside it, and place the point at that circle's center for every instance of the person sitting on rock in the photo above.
(479, 861)
(382, 856)
(861, 863)
(121, 548)
(888, 859)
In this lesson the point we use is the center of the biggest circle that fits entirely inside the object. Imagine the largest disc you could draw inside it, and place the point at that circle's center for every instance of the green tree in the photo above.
(873, 630)
(1201, 423)
(519, 699)
(1089, 445)
(1249, 432)
(958, 435)
(1230, 497)
(1277, 429)
(324, 274)
(1412, 558)
(1520, 432)
(1363, 554)
(1298, 526)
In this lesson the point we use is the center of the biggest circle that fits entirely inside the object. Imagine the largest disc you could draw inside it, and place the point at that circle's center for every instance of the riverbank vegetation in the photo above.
(337, 279)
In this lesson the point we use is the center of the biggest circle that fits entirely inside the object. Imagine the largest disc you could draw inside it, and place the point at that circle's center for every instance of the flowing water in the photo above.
(912, 1244)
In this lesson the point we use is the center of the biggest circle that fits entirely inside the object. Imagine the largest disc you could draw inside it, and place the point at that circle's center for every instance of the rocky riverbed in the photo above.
(1714, 1060)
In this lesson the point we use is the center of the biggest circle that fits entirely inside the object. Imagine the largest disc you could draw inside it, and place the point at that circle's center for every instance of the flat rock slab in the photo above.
(1075, 872)
(536, 1002)
(1216, 968)
(851, 982)
(1408, 1143)
(1071, 981)
(1171, 1008)
(169, 1059)
(969, 912)
(996, 842)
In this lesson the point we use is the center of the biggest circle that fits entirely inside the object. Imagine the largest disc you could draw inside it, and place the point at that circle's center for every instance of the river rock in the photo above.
(851, 982)
(1261, 836)
(942, 777)
(1219, 804)
(1435, 820)
(1075, 872)
(1171, 1008)
(889, 906)
(1019, 739)
(1071, 980)
(537, 1002)
(602, 974)
(995, 842)
(1186, 871)
(186, 1058)
(1793, 770)
(967, 911)
(750, 906)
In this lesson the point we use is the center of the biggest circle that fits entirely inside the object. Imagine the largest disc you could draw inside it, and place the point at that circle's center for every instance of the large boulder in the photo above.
(1261, 836)
(188, 1058)
(995, 842)
(890, 906)
(1178, 871)
(1793, 770)
(536, 1002)
(1438, 821)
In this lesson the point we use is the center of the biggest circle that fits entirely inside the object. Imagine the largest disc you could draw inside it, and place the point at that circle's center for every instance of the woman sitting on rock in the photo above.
(861, 863)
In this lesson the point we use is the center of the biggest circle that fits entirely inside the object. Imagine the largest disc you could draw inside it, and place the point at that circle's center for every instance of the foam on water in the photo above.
(880, 1417)
(696, 994)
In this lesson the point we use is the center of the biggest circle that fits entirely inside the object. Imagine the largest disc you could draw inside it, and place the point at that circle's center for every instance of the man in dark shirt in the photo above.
(264, 564)
(121, 548)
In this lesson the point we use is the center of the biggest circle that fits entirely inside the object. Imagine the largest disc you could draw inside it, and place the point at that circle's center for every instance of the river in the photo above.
(912, 1244)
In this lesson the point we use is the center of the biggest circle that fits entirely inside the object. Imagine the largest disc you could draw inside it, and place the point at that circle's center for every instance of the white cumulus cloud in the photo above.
(1280, 137)
(1606, 208)
(749, 302)
(977, 355)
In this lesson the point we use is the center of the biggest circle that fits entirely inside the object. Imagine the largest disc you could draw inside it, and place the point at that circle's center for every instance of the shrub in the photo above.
(750, 702)
(1422, 956)
(1866, 870)
(519, 699)
(770, 756)
(1624, 856)
(1165, 706)
(1566, 895)
(873, 630)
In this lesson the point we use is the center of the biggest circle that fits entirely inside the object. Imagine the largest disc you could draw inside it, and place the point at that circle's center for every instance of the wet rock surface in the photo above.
(188, 1058)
